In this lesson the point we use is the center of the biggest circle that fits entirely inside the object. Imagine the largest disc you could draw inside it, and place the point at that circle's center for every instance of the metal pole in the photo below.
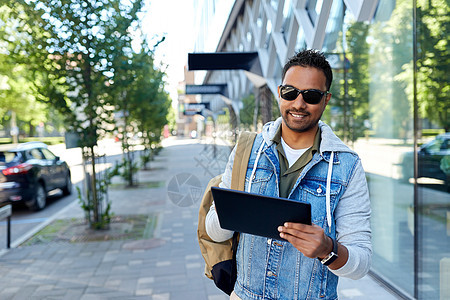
(8, 232)
(416, 132)
(346, 128)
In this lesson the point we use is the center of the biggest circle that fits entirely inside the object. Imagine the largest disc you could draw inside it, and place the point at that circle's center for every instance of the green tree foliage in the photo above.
(349, 107)
(433, 64)
(248, 110)
(150, 102)
(84, 36)
(391, 46)
(80, 55)
(138, 91)
(16, 90)
(247, 113)
(381, 71)
(358, 81)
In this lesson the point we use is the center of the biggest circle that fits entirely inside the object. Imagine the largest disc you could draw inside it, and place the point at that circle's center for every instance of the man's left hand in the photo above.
(308, 239)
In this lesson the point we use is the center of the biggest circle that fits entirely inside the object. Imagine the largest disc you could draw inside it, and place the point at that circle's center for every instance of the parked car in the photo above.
(29, 171)
(433, 158)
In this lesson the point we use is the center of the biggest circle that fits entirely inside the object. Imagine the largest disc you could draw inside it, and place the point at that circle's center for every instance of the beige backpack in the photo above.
(220, 258)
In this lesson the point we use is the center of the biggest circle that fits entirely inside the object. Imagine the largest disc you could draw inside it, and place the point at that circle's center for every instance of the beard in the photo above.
(306, 123)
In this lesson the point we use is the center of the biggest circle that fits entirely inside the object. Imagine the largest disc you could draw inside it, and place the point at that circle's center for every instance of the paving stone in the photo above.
(86, 274)
(144, 292)
(74, 294)
(218, 297)
(188, 294)
(10, 290)
(26, 292)
(162, 296)
(128, 286)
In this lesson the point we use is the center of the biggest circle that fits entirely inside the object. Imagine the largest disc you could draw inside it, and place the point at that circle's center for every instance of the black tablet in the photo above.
(257, 214)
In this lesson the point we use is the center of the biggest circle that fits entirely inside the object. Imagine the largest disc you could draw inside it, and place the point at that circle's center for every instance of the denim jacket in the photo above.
(274, 269)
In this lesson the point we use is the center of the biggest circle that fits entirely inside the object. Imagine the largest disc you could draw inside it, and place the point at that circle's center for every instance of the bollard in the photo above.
(5, 213)
(448, 223)
(444, 277)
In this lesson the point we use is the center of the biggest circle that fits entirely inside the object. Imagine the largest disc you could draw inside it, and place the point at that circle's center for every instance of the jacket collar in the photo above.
(330, 142)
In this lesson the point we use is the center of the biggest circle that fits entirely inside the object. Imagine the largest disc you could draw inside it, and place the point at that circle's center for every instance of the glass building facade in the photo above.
(391, 103)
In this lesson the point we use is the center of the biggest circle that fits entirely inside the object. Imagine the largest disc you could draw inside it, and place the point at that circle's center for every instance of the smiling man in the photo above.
(299, 157)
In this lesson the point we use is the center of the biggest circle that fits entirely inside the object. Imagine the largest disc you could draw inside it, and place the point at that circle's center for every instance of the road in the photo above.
(25, 222)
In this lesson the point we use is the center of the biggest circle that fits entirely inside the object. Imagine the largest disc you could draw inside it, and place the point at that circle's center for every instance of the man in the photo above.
(300, 158)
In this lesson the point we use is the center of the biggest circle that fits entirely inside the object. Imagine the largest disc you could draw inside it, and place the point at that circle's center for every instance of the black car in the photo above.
(434, 161)
(29, 171)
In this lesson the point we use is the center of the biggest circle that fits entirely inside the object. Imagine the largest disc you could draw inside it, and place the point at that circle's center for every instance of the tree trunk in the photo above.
(265, 97)
(14, 128)
(234, 121)
(95, 198)
(256, 112)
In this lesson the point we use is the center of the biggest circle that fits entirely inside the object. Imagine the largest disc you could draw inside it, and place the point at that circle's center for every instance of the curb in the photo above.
(36, 229)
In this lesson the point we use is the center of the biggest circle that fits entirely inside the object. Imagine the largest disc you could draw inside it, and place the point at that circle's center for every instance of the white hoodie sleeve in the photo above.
(353, 226)
(213, 229)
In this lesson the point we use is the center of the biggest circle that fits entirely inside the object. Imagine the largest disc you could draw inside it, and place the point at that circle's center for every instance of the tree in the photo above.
(139, 92)
(73, 58)
(433, 64)
(247, 112)
(18, 102)
(390, 107)
(358, 85)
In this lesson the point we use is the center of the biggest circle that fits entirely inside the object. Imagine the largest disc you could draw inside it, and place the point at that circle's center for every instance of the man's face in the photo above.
(298, 115)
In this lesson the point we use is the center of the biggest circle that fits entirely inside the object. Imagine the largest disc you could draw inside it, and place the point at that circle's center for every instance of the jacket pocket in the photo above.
(314, 192)
(259, 180)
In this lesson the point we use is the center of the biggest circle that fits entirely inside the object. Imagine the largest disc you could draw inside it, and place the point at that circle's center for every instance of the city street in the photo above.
(25, 222)
(167, 266)
(209, 158)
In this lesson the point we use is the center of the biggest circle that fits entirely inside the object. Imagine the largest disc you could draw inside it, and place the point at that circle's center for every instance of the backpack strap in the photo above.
(243, 151)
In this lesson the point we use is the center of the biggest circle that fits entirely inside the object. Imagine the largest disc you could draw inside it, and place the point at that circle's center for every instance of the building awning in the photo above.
(223, 61)
(246, 61)
(207, 89)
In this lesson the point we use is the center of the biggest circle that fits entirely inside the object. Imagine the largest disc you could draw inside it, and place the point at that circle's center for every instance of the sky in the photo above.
(174, 19)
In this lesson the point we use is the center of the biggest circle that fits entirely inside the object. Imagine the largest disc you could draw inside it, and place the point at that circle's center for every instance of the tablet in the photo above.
(257, 214)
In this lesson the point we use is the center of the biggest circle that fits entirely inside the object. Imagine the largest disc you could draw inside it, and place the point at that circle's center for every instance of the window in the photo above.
(48, 155)
(9, 157)
(34, 153)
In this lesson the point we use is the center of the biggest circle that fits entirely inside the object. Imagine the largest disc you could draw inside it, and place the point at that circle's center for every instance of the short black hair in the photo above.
(310, 58)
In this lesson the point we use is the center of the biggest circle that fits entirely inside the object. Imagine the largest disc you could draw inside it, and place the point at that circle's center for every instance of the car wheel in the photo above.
(67, 188)
(39, 199)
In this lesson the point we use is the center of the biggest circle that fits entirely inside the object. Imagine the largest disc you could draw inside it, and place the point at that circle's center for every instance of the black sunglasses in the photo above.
(312, 96)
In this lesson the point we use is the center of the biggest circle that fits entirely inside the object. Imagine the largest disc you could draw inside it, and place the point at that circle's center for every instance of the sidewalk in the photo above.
(167, 265)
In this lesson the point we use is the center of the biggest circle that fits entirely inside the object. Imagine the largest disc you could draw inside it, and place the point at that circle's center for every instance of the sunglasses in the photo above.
(290, 93)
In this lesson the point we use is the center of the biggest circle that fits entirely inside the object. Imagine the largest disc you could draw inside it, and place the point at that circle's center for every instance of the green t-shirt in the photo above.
(288, 176)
